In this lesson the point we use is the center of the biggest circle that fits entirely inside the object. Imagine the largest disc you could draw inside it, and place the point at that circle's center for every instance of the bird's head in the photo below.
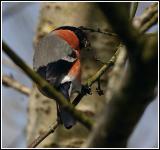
(83, 41)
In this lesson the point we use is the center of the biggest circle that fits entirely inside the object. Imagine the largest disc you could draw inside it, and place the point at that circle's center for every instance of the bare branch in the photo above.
(10, 82)
(130, 36)
(147, 19)
(130, 91)
(150, 23)
(127, 97)
(133, 9)
(87, 122)
(9, 63)
(97, 75)
(89, 82)
(98, 31)
(51, 130)
(121, 24)
(39, 139)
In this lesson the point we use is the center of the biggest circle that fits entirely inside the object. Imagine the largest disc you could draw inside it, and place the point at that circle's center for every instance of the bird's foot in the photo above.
(86, 90)
(98, 89)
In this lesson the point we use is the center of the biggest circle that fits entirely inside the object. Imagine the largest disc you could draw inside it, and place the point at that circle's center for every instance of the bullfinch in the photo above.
(57, 60)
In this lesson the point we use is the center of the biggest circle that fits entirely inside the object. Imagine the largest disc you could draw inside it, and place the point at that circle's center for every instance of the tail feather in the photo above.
(64, 116)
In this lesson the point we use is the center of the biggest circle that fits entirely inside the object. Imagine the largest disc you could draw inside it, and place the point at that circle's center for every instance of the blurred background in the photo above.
(19, 22)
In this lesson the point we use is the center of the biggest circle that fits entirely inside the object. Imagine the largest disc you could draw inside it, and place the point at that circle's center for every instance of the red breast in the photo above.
(75, 71)
(70, 37)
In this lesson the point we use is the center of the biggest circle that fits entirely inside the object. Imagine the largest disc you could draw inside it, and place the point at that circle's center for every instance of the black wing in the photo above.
(54, 72)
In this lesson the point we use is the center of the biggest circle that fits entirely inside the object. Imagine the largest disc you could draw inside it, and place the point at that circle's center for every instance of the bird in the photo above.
(57, 60)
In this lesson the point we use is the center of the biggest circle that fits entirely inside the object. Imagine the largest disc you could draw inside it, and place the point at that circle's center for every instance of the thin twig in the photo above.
(107, 65)
(89, 82)
(86, 121)
(133, 9)
(128, 98)
(150, 23)
(10, 82)
(147, 19)
(9, 63)
(39, 139)
(51, 130)
(96, 76)
(130, 36)
(98, 31)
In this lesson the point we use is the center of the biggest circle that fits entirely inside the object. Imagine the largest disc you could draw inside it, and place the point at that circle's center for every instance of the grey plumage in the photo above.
(51, 48)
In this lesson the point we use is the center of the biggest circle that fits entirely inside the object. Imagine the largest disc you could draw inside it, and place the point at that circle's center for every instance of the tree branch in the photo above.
(32, 75)
(95, 77)
(121, 25)
(87, 122)
(10, 82)
(150, 23)
(130, 36)
(147, 19)
(51, 130)
(39, 139)
(131, 90)
(10, 64)
(133, 9)
(98, 31)
(127, 97)
(89, 83)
